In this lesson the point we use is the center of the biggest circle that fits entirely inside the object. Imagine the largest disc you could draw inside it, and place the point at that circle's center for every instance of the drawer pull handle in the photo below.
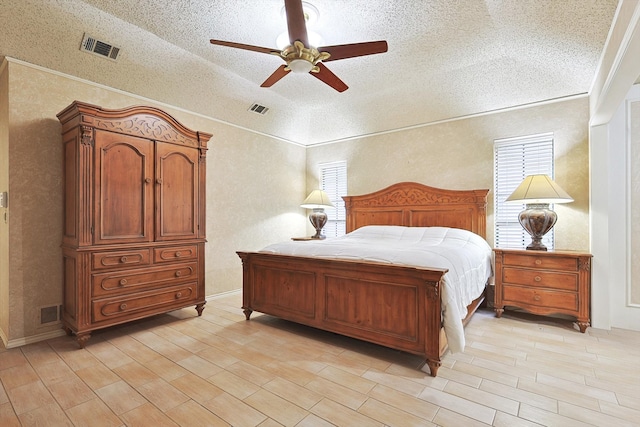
(178, 254)
(123, 282)
(123, 306)
(178, 295)
(537, 278)
(538, 261)
(178, 273)
(147, 180)
(536, 297)
(123, 259)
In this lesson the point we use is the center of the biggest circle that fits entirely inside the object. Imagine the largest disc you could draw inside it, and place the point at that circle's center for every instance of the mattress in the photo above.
(466, 255)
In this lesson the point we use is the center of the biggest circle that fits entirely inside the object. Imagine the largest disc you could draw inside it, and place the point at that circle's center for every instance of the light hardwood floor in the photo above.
(218, 370)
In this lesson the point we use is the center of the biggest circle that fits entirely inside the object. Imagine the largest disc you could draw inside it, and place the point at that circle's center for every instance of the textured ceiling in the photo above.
(446, 58)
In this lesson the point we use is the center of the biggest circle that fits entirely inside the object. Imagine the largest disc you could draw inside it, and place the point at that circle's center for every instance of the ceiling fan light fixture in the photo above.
(300, 66)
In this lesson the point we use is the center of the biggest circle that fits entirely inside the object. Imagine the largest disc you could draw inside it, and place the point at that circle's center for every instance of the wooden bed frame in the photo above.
(390, 305)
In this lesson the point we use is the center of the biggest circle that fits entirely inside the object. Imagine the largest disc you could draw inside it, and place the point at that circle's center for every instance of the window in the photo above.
(333, 180)
(514, 159)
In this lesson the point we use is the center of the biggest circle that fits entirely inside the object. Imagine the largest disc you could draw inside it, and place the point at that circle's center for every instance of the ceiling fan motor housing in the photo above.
(301, 59)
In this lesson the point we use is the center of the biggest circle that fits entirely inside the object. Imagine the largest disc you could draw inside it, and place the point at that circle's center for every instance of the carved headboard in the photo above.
(416, 205)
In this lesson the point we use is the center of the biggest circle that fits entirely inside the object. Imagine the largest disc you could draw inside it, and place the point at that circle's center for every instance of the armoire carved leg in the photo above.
(583, 326)
(433, 366)
(200, 307)
(82, 339)
(67, 331)
(247, 312)
(499, 312)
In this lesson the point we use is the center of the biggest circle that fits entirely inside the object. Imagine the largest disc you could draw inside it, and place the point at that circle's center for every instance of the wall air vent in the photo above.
(260, 109)
(92, 45)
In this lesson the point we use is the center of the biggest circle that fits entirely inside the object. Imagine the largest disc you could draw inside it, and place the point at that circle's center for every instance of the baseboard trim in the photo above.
(19, 342)
(223, 294)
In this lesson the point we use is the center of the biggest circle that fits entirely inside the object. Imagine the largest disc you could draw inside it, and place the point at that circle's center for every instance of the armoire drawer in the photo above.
(175, 253)
(120, 259)
(133, 305)
(119, 282)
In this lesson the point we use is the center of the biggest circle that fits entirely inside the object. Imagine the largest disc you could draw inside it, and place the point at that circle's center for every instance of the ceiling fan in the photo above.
(300, 57)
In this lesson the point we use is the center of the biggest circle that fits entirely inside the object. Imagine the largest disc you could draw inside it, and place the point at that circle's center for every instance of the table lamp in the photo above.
(317, 201)
(537, 192)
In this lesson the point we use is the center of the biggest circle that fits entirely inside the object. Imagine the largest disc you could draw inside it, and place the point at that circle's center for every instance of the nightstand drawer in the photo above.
(544, 262)
(541, 279)
(563, 301)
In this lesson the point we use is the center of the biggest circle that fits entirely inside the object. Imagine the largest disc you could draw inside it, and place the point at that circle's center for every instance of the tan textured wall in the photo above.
(254, 187)
(459, 155)
(634, 176)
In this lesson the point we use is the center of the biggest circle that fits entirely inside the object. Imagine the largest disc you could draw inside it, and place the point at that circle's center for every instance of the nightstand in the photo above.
(544, 283)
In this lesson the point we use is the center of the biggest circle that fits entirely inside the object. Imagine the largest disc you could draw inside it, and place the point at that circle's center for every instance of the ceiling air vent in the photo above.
(260, 109)
(92, 45)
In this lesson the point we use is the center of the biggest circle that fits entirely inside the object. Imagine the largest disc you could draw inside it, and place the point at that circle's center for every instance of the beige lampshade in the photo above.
(539, 189)
(317, 199)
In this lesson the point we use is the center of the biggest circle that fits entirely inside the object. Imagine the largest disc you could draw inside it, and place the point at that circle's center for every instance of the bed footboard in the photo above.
(390, 305)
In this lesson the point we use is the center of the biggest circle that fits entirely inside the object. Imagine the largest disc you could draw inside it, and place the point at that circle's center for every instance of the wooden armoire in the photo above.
(134, 216)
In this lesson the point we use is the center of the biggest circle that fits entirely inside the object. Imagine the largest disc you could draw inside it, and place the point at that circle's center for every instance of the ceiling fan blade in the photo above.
(277, 75)
(329, 78)
(245, 46)
(296, 22)
(343, 51)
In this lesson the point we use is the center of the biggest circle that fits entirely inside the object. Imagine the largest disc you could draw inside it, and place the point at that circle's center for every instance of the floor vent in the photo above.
(92, 45)
(49, 314)
(260, 109)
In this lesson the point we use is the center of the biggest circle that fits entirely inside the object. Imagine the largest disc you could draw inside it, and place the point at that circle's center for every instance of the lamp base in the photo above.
(536, 246)
(537, 219)
(318, 219)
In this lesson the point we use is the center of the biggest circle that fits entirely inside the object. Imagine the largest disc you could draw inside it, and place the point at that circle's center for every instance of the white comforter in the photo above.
(466, 255)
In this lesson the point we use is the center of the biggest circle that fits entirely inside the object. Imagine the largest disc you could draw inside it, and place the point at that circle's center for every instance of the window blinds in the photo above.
(333, 180)
(515, 159)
